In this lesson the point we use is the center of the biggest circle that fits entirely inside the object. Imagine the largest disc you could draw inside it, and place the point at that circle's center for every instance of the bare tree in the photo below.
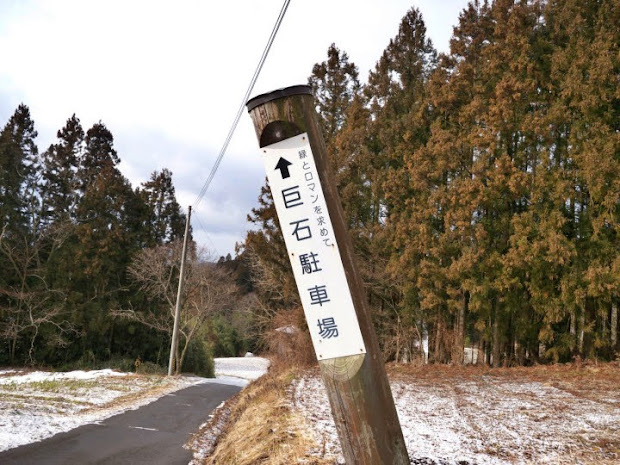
(35, 310)
(32, 304)
(208, 289)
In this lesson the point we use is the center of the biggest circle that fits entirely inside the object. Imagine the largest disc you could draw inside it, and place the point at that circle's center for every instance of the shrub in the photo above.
(199, 359)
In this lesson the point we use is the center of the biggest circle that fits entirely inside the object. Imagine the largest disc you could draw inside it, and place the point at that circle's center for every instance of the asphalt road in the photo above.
(153, 434)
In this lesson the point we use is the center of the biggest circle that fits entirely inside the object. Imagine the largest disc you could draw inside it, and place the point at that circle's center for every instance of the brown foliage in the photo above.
(207, 290)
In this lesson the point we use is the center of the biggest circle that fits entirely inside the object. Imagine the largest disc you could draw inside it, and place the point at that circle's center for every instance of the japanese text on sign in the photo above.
(312, 248)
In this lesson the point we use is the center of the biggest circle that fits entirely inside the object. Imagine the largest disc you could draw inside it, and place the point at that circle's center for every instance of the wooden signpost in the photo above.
(330, 287)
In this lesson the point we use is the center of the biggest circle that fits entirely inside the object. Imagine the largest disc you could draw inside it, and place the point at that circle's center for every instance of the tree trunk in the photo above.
(13, 346)
(180, 358)
(111, 339)
(496, 344)
(457, 346)
(459, 339)
(437, 351)
(582, 324)
(573, 329)
(614, 325)
(424, 342)
(18, 324)
(398, 332)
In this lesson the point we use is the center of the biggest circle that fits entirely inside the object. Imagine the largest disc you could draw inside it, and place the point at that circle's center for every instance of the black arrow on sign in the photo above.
(283, 165)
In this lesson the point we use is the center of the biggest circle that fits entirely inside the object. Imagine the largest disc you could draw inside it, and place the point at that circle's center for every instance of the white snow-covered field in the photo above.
(240, 370)
(37, 405)
(484, 420)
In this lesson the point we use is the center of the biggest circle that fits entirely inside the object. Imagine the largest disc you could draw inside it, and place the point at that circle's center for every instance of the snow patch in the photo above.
(240, 371)
(485, 422)
(41, 376)
(38, 405)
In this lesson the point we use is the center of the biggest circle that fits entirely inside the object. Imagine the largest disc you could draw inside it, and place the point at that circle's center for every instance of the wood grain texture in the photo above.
(357, 385)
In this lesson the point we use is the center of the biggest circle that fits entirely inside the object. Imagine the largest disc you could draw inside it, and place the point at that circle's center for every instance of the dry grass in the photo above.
(591, 381)
(122, 391)
(261, 428)
(71, 397)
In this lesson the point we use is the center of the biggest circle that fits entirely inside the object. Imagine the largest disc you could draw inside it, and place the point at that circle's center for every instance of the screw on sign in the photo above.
(329, 285)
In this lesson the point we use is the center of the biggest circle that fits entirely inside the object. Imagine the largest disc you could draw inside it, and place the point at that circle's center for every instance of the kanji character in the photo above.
(291, 197)
(318, 295)
(309, 263)
(327, 328)
(301, 232)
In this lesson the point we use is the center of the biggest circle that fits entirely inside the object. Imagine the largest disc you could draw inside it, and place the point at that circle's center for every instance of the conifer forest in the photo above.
(481, 190)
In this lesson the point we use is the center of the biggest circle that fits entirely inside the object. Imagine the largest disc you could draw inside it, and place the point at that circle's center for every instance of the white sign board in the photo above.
(312, 248)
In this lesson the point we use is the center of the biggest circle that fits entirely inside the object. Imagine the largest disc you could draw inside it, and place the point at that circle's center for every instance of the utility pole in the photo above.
(329, 284)
(177, 309)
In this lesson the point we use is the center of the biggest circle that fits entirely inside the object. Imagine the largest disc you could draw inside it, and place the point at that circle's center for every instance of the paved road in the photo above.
(153, 434)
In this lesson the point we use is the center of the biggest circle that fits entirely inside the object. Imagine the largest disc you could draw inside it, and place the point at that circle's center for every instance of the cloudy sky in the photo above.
(167, 78)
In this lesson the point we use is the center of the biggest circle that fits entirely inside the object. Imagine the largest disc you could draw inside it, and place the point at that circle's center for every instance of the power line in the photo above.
(204, 230)
(261, 62)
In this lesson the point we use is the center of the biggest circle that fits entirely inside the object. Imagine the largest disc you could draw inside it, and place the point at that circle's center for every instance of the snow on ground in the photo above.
(40, 376)
(37, 405)
(240, 370)
(487, 420)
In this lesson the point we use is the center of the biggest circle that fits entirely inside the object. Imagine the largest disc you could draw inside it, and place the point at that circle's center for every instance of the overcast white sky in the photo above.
(167, 78)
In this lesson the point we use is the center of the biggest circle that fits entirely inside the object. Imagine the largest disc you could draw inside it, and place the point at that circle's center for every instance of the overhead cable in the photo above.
(246, 96)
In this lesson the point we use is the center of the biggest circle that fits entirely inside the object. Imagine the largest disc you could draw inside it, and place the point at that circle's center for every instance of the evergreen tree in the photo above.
(30, 313)
(265, 251)
(19, 222)
(398, 128)
(489, 179)
(106, 239)
(19, 173)
(61, 162)
(99, 155)
(334, 84)
(70, 227)
(166, 221)
(584, 67)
